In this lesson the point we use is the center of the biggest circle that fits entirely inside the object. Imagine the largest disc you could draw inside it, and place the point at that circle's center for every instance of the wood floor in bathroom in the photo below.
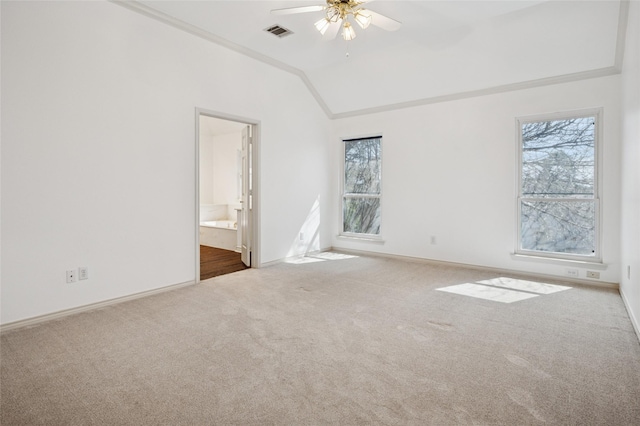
(215, 261)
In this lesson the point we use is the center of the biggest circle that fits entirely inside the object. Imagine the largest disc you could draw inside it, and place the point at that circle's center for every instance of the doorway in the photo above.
(226, 202)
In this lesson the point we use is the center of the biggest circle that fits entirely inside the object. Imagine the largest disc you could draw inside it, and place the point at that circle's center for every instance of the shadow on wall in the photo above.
(308, 238)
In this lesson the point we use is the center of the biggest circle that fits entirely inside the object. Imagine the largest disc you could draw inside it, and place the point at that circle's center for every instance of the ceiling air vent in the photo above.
(278, 31)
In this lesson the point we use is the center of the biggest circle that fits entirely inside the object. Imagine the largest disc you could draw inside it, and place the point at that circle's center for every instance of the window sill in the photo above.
(566, 262)
(360, 239)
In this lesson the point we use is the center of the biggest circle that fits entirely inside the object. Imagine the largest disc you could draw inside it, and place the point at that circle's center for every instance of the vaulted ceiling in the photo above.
(444, 49)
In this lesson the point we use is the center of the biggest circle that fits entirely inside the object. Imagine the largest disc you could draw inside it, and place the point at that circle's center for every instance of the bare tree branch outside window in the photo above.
(558, 199)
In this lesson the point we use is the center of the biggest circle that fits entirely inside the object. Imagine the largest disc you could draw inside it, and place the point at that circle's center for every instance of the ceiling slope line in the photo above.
(623, 19)
(192, 29)
(512, 87)
(616, 68)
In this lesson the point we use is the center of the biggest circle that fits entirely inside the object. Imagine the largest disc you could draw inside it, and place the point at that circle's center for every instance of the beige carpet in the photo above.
(347, 341)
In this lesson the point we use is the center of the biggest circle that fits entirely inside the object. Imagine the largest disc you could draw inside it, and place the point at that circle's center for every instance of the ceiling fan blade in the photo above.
(301, 9)
(332, 31)
(384, 22)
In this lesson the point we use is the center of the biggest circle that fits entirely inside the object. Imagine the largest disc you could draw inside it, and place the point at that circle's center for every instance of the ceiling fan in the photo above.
(338, 13)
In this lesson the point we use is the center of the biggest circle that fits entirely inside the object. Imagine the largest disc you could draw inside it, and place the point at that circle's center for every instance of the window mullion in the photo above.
(557, 199)
(356, 195)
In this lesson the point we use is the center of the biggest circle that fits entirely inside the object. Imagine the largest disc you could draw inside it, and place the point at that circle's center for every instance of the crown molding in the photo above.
(192, 29)
(616, 68)
(530, 84)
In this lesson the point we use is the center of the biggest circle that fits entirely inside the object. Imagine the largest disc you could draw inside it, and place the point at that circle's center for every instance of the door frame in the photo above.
(255, 157)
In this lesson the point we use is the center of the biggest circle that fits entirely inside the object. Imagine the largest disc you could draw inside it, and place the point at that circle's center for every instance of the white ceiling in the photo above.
(444, 49)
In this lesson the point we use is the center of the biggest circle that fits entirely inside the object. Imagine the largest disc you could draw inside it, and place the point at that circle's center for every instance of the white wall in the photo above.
(449, 171)
(630, 217)
(225, 168)
(98, 151)
(206, 168)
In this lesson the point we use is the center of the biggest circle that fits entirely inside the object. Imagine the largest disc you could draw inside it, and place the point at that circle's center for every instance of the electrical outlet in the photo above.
(593, 274)
(302, 236)
(71, 276)
(433, 239)
(573, 273)
(83, 273)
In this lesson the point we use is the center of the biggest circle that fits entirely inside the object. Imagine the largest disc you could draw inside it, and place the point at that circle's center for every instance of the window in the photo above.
(361, 187)
(558, 200)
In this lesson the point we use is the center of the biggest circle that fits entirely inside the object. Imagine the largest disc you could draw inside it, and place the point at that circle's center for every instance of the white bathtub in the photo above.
(219, 233)
(223, 224)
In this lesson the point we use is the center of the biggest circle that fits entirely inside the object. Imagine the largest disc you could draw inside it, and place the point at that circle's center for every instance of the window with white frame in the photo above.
(361, 189)
(558, 203)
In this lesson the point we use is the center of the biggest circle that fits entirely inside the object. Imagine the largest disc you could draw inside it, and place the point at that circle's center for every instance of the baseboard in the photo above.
(532, 275)
(297, 256)
(632, 317)
(84, 308)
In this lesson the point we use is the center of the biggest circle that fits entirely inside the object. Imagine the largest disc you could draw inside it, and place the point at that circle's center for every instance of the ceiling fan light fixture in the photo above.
(348, 33)
(322, 25)
(336, 15)
(333, 14)
(363, 18)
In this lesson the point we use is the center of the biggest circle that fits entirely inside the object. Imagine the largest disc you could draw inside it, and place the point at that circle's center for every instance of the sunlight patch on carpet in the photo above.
(523, 285)
(319, 257)
(504, 289)
(488, 292)
(303, 260)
